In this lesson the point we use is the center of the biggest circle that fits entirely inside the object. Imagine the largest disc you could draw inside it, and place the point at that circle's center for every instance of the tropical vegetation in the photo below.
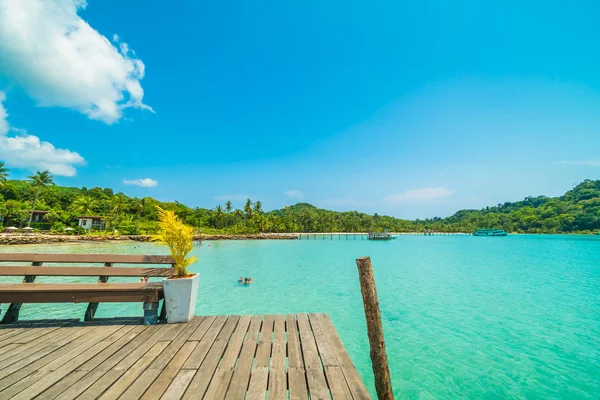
(577, 211)
(178, 237)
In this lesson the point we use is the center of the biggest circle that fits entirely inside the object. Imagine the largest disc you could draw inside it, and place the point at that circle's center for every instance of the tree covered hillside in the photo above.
(576, 211)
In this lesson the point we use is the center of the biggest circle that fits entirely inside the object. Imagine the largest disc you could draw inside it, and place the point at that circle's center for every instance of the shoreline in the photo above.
(37, 238)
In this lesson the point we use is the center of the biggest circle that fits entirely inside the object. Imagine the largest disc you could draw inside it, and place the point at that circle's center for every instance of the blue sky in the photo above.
(413, 110)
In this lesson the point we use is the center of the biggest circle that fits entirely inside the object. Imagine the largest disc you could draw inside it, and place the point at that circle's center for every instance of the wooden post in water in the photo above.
(383, 383)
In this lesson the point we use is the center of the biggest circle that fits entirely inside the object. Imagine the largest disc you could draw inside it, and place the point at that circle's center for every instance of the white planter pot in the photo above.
(180, 298)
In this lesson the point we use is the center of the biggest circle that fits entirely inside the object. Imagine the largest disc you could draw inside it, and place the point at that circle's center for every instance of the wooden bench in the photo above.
(149, 293)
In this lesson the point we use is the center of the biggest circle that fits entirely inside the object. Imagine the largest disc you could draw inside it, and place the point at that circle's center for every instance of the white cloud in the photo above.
(233, 197)
(294, 194)
(420, 195)
(60, 60)
(146, 182)
(27, 151)
(589, 163)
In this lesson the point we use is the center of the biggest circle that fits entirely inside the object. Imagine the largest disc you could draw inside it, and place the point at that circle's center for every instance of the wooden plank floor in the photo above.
(216, 357)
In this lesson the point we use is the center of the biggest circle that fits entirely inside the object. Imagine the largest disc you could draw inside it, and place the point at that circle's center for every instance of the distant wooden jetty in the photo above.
(365, 235)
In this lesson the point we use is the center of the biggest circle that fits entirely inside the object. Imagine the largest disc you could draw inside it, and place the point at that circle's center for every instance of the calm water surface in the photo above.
(464, 317)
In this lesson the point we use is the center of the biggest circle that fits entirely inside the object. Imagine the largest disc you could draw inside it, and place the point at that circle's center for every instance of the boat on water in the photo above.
(490, 232)
(385, 235)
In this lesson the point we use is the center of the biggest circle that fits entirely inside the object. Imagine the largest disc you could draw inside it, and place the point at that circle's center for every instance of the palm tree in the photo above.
(248, 210)
(86, 205)
(139, 207)
(237, 213)
(118, 205)
(258, 207)
(40, 179)
(228, 208)
(3, 174)
(218, 215)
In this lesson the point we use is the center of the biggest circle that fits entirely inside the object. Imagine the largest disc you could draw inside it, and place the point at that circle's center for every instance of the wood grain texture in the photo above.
(86, 258)
(216, 357)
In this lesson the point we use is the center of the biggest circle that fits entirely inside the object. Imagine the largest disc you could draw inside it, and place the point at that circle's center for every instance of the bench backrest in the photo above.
(37, 259)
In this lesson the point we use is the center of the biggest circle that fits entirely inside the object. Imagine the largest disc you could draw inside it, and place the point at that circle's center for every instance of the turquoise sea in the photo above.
(464, 317)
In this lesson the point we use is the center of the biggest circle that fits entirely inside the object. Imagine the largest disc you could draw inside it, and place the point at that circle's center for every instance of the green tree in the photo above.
(247, 211)
(52, 216)
(85, 205)
(3, 174)
(118, 205)
(218, 216)
(228, 208)
(40, 179)
(12, 210)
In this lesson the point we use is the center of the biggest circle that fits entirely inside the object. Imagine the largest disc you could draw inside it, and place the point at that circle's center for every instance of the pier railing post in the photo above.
(383, 383)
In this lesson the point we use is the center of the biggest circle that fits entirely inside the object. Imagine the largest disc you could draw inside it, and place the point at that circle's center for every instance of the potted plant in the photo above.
(181, 289)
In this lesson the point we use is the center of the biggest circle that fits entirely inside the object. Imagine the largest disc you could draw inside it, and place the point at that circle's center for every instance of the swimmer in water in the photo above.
(241, 280)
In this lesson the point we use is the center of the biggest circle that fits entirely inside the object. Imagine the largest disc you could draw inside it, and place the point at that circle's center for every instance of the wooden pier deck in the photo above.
(214, 357)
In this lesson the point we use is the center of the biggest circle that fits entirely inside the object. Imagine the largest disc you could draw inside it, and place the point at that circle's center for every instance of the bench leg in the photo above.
(163, 311)
(12, 314)
(150, 313)
(90, 312)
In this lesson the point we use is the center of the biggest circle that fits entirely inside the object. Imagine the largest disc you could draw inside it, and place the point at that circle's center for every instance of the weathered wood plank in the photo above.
(179, 385)
(52, 376)
(337, 383)
(24, 336)
(241, 375)
(112, 348)
(85, 271)
(21, 379)
(141, 385)
(294, 352)
(357, 387)
(324, 346)
(132, 373)
(277, 373)
(266, 331)
(131, 361)
(127, 357)
(235, 344)
(170, 371)
(201, 380)
(32, 363)
(219, 384)
(297, 384)
(263, 351)
(195, 359)
(86, 258)
(254, 328)
(317, 385)
(104, 362)
(178, 341)
(203, 328)
(279, 329)
(100, 334)
(309, 347)
(55, 390)
(258, 384)
(23, 350)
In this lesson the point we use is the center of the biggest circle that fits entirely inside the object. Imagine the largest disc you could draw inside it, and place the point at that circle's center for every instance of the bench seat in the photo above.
(80, 292)
(148, 293)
